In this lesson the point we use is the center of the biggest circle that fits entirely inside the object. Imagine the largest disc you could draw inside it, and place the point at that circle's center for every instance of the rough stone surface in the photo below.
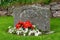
(2, 13)
(36, 14)
(55, 9)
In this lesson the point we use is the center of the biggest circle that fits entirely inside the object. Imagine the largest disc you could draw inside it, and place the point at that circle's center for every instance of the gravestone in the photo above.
(37, 14)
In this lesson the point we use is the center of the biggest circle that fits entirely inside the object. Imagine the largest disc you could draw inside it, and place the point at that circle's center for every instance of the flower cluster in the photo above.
(25, 28)
(24, 25)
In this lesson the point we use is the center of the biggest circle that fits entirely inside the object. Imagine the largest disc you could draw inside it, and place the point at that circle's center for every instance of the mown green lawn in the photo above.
(6, 21)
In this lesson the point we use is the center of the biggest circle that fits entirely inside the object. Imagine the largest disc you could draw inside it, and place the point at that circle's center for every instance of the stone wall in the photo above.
(38, 15)
(55, 9)
(3, 13)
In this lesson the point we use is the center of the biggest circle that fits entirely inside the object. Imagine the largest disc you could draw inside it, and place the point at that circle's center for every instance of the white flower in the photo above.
(10, 30)
(31, 31)
(37, 33)
(34, 26)
(20, 30)
(25, 31)
(24, 34)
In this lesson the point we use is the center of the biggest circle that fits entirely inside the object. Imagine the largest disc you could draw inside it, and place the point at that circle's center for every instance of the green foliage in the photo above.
(12, 2)
(46, 1)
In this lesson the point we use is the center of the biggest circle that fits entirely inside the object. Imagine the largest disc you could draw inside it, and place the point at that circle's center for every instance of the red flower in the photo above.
(27, 24)
(19, 24)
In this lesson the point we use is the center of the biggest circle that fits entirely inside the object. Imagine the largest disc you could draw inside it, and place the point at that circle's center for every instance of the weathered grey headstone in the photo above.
(36, 14)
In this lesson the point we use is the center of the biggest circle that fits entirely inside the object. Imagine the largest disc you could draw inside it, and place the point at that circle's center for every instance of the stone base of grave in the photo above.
(48, 32)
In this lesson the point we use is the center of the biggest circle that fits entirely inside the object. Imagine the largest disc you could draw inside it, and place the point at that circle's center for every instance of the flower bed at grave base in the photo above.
(24, 28)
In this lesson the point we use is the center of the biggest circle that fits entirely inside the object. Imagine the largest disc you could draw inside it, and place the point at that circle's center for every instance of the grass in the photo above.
(8, 21)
